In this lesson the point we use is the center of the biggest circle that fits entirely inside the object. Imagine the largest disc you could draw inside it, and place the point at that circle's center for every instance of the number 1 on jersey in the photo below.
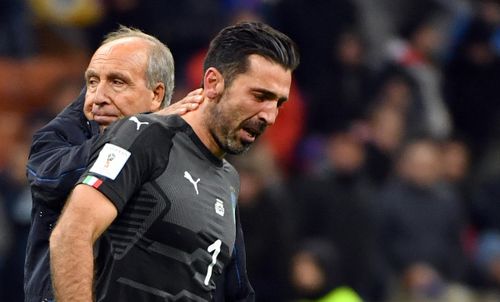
(215, 248)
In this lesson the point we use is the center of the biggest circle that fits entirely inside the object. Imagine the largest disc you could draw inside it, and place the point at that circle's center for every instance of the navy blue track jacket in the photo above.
(58, 156)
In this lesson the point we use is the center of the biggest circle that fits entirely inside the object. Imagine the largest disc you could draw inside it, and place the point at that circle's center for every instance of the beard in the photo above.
(223, 125)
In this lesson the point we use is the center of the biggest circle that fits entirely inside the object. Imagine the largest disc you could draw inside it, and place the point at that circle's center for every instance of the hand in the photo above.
(189, 103)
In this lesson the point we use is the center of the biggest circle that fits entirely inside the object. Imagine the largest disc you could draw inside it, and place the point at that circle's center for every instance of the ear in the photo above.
(213, 83)
(158, 95)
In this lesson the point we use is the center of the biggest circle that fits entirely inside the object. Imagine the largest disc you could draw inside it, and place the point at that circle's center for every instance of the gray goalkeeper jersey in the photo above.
(176, 203)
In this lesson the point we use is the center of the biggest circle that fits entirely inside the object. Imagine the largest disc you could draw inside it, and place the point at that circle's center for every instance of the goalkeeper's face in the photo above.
(116, 82)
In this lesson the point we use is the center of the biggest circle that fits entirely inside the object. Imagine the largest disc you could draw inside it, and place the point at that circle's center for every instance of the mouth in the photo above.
(248, 136)
(104, 119)
(251, 132)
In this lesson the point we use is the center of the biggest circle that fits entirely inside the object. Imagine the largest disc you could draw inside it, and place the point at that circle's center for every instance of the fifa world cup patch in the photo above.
(111, 160)
(92, 181)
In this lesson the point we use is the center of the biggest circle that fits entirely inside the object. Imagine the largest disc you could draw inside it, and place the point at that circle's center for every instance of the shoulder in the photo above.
(232, 175)
(147, 129)
(227, 166)
(144, 122)
(229, 169)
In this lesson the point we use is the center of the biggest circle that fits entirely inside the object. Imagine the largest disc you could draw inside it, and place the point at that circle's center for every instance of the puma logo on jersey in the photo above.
(139, 123)
(191, 180)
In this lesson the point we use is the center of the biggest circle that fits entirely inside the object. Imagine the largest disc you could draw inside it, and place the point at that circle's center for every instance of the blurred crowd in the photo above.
(379, 181)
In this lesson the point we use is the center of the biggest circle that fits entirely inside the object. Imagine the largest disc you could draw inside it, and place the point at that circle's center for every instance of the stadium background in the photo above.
(381, 176)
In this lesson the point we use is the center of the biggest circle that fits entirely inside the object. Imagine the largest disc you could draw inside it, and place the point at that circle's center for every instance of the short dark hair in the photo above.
(229, 50)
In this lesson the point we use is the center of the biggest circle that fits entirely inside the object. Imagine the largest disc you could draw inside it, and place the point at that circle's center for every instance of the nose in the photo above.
(269, 113)
(101, 95)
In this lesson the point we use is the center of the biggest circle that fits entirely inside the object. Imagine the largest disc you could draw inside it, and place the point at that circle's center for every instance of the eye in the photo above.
(281, 103)
(92, 82)
(260, 97)
(118, 82)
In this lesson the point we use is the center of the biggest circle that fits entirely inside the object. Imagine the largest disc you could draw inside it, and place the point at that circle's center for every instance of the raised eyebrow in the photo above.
(89, 74)
(119, 75)
(268, 95)
(112, 75)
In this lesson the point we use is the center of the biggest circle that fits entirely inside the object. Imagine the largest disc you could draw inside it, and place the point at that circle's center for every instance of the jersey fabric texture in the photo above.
(176, 202)
(59, 155)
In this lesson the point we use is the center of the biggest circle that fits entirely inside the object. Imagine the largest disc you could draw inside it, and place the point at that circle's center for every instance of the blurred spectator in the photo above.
(14, 191)
(32, 81)
(61, 26)
(316, 27)
(45, 56)
(17, 36)
(418, 54)
(12, 239)
(393, 115)
(398, 91)
(421, 221)
(316, 274)
(484, 211)
(333, 205)
(72, 13)
(61, 95)
(422, 283)
(487, 259)
(267, 223)
(386, 130)
(11, 131)
(382, 19)
(472, 77)
(485, 206)
(456, 161)
(344, 92)
(456, 175)
(5, 247)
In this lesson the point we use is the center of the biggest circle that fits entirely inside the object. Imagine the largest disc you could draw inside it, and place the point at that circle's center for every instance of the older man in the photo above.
(130, 73)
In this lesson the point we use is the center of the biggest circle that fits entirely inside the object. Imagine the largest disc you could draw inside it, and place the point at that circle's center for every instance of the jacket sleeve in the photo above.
(59, 154)
(234, 285)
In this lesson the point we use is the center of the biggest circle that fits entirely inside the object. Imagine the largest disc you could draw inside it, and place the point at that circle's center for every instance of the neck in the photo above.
(198, 121)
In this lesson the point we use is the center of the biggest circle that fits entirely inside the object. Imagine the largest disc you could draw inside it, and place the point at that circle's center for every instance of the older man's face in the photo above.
(116, 82)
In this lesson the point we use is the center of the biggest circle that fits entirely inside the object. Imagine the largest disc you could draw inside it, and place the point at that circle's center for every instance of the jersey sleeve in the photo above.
(132, 151)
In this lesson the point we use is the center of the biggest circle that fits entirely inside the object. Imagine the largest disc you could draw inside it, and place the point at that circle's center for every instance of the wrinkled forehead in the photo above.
(129, 47)
(125, 53)
(269, 75)
(129, 43)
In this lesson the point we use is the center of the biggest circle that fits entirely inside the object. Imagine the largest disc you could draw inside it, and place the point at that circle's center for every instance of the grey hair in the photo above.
(160, 60)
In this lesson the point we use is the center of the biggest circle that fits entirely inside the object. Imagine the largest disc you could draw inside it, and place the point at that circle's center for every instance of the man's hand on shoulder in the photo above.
(189, 103)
